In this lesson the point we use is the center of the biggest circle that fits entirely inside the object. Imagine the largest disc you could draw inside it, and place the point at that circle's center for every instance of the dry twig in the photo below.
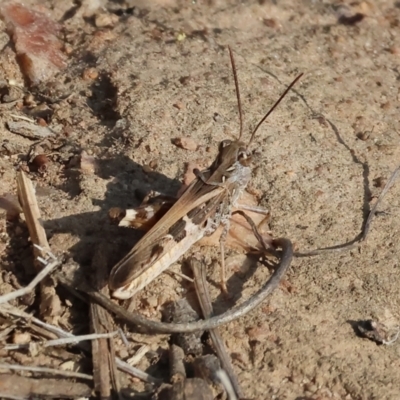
(44, 370)
(144, 324)
(105, 373)
(123, 366)
(63, 341)
(140, 353)
(39, 277)
(365, 230)
(227, 384)
(27, 199)
(203, 296)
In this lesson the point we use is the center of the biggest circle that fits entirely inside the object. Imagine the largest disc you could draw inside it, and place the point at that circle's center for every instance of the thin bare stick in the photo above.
(144, 324)
(123, 337)
(23, 118)
(363, 235)
(69, 374)
(62, 341)
(140, 353)
(9, 309)
(183, 276)
(372, 213)
(203, 296)
(123, 366)
(227, 384)
(39, 277)
(237, 92)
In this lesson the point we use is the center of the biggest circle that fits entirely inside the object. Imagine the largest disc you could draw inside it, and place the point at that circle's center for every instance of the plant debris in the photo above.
(30, 130)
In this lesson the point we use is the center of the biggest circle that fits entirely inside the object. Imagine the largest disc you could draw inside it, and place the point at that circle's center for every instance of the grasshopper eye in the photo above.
(244, 157)
(224, 143)
(242, 154)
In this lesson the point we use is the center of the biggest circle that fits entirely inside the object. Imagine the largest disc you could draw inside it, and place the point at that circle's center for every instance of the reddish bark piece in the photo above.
(34, 35)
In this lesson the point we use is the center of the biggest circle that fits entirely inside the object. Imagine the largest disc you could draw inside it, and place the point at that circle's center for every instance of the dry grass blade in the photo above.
(27, 199)
(39, 277)
(41, 248)
(44, 370)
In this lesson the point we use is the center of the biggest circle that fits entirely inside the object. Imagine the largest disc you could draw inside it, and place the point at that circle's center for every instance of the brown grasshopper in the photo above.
(205, 205)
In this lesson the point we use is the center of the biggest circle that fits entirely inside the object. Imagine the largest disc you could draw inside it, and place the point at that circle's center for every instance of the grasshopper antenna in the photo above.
(237, 91)
(273, 108)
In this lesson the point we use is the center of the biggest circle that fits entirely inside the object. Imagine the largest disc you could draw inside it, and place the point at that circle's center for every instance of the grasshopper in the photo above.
(205, 205)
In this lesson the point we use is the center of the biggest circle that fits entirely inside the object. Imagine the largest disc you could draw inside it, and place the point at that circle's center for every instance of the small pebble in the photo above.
(40, 162)
(379, 182)
(395, 50)
(90, 74)
(41, 122)
(186, 143)
(153, 164)
(271, 23)
(184, 80)
(217, 118)
(147, 169)
(88, 163)
(21, 338)
(259, 333)
(151, 301)
(69, 365)
(179, 105)
(363, 135)
(123, 353)
(29, 100)
(105, 20)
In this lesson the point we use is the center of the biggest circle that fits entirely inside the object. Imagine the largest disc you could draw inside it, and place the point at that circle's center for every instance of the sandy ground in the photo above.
(161, 71)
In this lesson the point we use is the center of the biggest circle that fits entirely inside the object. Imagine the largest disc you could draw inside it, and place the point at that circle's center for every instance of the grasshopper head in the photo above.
(230, 152)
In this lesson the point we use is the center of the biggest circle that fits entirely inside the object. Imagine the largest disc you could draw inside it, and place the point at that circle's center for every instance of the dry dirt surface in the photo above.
(141, 73)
